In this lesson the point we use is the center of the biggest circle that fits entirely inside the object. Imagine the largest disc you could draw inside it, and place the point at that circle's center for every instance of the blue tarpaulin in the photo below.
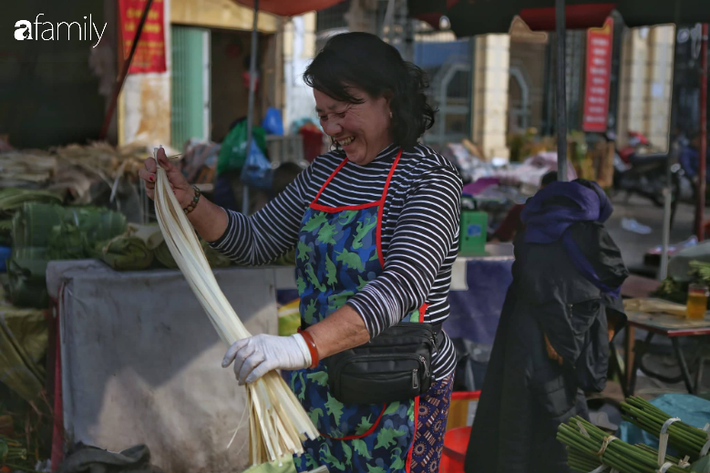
(475, 313)
(690, 409)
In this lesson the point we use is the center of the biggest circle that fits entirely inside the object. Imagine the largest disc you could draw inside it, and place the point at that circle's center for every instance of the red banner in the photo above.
(596, 97)
(150, 54)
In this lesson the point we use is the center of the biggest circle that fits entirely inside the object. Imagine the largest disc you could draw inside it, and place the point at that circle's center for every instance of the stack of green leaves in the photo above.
(6, 232)
(80, 228)
(588, 447)
(688, 440)
(26, 271)
(13, 198)
(43, 232)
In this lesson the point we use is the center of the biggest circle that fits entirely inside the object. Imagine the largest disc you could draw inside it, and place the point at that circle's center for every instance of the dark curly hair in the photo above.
(364, 61)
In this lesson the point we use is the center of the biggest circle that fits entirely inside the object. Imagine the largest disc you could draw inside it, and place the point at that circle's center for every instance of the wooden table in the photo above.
(634, 287)
(670, 326)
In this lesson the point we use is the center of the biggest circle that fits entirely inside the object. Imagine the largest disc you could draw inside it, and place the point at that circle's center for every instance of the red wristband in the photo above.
(311, 347)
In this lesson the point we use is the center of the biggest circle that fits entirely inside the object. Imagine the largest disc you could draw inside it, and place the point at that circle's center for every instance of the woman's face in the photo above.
(362, 130)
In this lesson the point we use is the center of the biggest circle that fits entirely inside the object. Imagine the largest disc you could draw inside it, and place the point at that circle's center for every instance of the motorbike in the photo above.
(638, 170)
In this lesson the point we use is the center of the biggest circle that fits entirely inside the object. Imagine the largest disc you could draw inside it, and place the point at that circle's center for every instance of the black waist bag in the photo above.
(394, 366)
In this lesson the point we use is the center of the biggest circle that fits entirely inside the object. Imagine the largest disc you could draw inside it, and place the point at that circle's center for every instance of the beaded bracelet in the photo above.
(193, 204)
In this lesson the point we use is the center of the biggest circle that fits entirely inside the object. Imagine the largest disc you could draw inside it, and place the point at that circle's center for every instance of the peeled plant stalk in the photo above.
(278, 424)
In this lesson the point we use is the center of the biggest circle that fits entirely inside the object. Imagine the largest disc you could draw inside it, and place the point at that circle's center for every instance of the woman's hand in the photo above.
(255, 356)
(209, 220)
(182, 189)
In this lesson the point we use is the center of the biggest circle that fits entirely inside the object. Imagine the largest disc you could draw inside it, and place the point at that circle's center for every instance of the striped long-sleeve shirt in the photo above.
(420, 232)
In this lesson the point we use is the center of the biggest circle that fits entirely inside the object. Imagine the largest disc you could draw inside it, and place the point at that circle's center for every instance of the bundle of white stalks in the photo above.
(278, 424)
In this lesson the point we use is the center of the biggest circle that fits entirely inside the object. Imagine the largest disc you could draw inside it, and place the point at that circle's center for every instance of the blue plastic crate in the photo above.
(4, 256)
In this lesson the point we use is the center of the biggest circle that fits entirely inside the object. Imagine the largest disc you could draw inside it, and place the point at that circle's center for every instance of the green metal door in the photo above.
(190, 110)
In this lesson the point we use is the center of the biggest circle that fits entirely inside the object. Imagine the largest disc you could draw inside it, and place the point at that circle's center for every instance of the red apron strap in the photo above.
(422, 311)
(408, 464)
(330, 178)
(389, 176)
(382, 210)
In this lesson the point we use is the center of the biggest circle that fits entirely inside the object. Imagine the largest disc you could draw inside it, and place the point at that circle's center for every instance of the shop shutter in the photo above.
(190, 92)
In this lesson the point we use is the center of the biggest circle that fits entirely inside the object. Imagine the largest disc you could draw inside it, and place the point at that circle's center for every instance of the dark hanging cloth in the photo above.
(566, 276)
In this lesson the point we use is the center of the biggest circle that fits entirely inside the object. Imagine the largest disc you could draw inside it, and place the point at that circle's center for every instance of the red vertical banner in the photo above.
(150, 54)
(596, 97)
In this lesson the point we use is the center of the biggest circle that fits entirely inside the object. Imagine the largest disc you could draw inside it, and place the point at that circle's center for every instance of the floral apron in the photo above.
(338, 253)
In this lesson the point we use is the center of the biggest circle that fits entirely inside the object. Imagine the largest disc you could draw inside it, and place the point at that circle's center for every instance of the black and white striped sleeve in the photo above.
(270, 232)
(427, 228)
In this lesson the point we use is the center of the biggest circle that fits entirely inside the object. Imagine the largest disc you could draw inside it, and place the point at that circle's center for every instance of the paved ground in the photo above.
(633, 245)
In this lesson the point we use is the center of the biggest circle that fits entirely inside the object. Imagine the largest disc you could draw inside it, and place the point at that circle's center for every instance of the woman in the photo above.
(376, 226)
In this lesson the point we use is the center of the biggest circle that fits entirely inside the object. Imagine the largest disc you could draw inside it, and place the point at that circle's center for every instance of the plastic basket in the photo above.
(462, 409)
(455, 446)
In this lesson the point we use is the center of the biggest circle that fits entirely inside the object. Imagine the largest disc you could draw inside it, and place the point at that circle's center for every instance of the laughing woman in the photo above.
(376, 227)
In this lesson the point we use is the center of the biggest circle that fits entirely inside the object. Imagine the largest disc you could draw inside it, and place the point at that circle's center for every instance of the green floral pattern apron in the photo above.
(338, 253)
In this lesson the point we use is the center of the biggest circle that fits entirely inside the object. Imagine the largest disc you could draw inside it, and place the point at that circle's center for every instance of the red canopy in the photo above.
(590, 15)
(289, 7)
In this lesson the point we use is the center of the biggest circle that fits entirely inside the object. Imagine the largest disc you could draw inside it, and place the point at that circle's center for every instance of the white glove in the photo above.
(255, 356)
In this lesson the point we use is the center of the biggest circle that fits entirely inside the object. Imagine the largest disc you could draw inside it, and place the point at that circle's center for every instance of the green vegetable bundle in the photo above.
(214, 257)
(652, 450)
(581, 461)
(688, 440)
(700, 271)
(677, 291)
(589, 447)
(163, 255)
(287, 259)
(672, 290)
(11, 451)
(126, 253)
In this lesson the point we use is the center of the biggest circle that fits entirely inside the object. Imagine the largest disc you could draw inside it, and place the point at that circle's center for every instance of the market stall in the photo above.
(136, 362)
(136, 358)
(71, 235)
